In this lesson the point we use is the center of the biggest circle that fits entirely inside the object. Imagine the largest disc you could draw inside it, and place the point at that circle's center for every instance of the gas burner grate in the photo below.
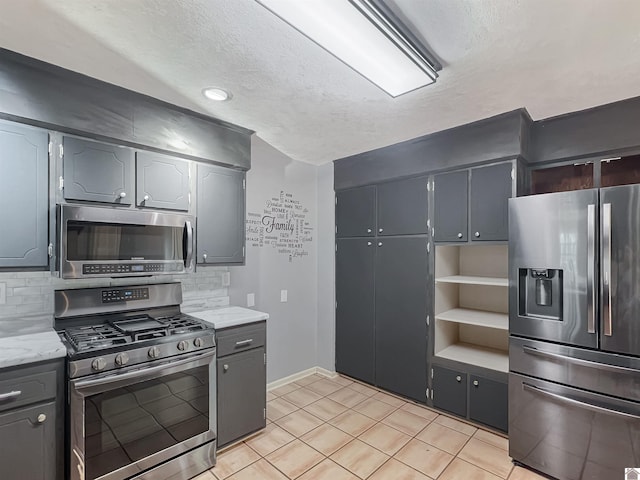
(181, 323)
(94, 337)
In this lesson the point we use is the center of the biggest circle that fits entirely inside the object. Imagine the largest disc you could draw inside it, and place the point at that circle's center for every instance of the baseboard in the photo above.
(299, 375)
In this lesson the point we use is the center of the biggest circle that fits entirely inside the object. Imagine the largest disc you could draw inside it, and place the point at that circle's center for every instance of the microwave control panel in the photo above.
(125, 294)
(127, 268)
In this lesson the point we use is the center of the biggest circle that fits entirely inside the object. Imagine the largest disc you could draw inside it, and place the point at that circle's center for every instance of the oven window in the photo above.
(130, 423)
(88, 241)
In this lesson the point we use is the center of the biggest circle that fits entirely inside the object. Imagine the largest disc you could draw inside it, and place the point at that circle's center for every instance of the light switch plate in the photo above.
(3, 293)
(251, 299)
(283, 295)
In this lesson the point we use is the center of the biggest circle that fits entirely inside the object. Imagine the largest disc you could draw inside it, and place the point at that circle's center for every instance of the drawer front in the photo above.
(15, 392)
(611, 374)
(238, 339)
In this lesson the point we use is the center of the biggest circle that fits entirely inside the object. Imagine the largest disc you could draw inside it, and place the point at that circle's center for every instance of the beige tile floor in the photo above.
(336, 429)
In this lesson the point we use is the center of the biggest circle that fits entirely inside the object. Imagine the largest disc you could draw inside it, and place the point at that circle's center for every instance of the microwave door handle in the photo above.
(189, 256)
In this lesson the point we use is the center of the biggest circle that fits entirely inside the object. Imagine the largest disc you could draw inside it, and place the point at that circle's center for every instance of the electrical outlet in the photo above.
(251, 299)
(283, 296)
(3, 293)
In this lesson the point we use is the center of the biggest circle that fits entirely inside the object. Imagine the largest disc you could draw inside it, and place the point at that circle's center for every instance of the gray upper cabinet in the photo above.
(402, 207)
(220, 229)
(98, 172)
(162, 181)
(451, 199)
(355, 212)
(491, 187)
(24, 170)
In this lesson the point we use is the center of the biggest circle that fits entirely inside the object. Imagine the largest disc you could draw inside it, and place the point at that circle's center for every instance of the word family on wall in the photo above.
(282, 225)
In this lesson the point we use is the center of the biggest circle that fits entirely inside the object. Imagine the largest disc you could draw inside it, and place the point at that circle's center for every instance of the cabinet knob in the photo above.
(460, 235)
(41, 418)
(146, 197)
(123, 194)
(475, 383)
(380, 230)
(368, 244)
(477, 234)
(368, 230)
(379, 244)
(204, 257)
(225, 367)
(458, 378)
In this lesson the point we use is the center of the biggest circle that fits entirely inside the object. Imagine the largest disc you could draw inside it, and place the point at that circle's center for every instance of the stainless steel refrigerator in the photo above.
(574, 325)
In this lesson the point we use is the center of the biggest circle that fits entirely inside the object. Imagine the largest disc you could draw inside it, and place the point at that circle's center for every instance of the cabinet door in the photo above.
(451, 198)
(488, 402)
(355, 212)
(491, 188)
(28, 439)
(355, 312)
(220, 220)
(24, 172)
(450, 390)
(402, 207)
(242, 397)
(162, 181)
(401, 315)
(97, 172)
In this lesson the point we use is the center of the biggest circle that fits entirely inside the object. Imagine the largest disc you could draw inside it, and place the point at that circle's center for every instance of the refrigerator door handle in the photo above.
(591, 266)
(578, 361)
(606, 268)
(577, 403)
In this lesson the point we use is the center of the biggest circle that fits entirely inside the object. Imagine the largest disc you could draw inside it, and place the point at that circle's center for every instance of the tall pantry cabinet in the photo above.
(382, 298)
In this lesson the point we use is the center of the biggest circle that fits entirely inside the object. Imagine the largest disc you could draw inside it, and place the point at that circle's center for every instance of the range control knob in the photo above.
(154, 352)
(122, 359)
(99, 364)
(183, 345)
(198, 342)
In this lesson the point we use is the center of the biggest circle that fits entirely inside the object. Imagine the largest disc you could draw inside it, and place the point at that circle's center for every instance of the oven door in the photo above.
(124, 423)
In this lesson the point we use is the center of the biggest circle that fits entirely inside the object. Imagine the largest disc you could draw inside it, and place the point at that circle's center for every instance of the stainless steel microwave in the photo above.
(112, 242)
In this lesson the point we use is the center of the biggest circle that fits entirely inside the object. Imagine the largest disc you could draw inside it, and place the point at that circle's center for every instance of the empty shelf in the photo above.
(475, 280)
(476, 317)
(476, 355)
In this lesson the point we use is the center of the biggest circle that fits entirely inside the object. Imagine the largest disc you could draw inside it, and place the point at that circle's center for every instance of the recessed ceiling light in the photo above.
(217, 94)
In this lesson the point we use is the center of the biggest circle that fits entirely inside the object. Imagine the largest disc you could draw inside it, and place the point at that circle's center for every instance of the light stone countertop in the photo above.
(230, 316)
(30, 348)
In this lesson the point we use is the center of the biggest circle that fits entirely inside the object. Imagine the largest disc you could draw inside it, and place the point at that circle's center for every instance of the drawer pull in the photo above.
(10, 395)
(458, 378)
(225, 367)
(242, 343)
(576, 360)
(476, 383)
(41, 418)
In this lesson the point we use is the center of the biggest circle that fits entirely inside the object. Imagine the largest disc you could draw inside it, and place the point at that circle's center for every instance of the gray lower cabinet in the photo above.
(24, 173)
(401, 306)
(356, 212)
(402, 207)
(451, 198)
(220, 229)
(355, 308)
(31, 422)
(162, 181)
(241, 381)
(490, 189)
(98, 172)
(471, 396)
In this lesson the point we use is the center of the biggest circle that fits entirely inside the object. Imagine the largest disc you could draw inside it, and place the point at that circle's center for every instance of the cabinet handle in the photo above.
(460, 235)
(475, 383)
(368, 244)
(477, 234)
(368, 230)
(244, 342)
(146, 197)
(458, 378)
(204, 257)
(123, 194)
(379, 244)
(225, 367)
(7, 396)
(380, 230)
(41, 418)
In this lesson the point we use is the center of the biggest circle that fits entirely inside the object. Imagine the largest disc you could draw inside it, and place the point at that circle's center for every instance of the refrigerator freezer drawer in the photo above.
(571, 434)
(607, 373)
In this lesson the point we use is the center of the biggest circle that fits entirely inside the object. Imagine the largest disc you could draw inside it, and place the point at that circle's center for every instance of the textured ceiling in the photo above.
(550, 56)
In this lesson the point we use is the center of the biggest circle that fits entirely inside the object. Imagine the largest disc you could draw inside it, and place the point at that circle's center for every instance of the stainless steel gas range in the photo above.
(141, 384)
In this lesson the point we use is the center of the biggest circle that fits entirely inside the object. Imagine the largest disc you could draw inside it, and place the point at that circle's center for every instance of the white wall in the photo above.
(293, 333)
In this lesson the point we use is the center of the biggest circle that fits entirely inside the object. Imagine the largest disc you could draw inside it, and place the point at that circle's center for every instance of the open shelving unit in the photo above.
(472, 305)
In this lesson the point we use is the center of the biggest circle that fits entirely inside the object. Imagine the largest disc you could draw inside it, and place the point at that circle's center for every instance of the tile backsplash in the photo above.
(29, 295)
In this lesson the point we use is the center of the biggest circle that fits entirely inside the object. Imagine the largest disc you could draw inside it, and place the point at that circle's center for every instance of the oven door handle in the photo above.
(93, 386)
(188, 258)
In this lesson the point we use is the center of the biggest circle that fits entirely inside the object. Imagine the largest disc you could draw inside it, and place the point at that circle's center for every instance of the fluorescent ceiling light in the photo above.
(363, 37)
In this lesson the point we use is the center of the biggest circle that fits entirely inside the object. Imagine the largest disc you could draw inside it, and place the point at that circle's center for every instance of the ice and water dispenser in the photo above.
(540, 293)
